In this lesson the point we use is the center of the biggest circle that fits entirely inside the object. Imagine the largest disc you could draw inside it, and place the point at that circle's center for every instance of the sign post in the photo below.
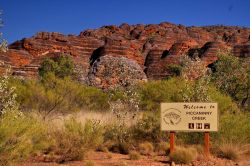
(172, 142)
(189, 117)
(206, 144)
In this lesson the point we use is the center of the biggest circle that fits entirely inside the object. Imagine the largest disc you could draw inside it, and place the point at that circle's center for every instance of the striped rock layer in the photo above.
(152, 47)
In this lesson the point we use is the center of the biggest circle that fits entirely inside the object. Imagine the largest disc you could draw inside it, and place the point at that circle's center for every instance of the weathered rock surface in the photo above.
(152, 47)
(112, 72)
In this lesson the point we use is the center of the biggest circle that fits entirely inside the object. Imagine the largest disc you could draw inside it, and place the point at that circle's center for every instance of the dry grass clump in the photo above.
(102, 148)
(123, 163)
(146, 148)
(107, 117)
(162, 148)
(183, 155)
(232, 151)
(90, 163)
(199, 148)
(109, 155)
(133, 155)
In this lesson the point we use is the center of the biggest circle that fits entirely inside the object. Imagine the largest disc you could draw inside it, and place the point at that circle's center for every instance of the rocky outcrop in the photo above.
(152, 47)
(242, 50)
(112, 72)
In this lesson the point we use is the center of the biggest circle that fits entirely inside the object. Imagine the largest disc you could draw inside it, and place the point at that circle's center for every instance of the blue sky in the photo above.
(23, 18)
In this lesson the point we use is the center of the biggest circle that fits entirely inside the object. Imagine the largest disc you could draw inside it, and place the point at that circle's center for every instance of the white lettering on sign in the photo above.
(189, 116)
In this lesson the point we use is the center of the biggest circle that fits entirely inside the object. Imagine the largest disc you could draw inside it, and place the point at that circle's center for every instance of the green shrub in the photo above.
(62, 66)
(232, 77)
(233, 137)
(93, 98)
(173, 90)
(178, 90)
(133, 155)
(117, 138)
(234, 128)
(55, 96)
(77, 94)
(181, 90)
(20, 137)
(225, 103)
(148, 128)
(72, 142)
(47, 101)
(175, 70)
(153, 93)
(183, 155)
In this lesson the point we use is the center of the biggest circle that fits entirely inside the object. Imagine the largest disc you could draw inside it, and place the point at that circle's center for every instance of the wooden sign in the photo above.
(189, 117)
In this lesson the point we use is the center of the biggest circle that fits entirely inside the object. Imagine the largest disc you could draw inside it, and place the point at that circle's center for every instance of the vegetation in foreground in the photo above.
(29, 125)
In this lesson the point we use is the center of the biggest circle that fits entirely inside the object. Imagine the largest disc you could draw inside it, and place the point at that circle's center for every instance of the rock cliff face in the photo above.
(151, 47)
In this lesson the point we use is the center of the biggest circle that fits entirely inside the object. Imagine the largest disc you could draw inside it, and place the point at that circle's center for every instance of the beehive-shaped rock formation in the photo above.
(152, 47)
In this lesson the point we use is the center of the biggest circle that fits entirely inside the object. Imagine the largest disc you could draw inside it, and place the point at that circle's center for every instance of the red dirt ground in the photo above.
(114, 159)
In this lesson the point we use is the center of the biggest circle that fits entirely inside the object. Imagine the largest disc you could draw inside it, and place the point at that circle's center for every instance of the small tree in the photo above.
(62, 66)
(232, 76)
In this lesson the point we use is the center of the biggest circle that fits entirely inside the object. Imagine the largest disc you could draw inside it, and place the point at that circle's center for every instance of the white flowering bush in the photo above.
(196, 79)
(192, 69)
(7, 96)
(198, 92)
(124, 102)
(3, 44)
